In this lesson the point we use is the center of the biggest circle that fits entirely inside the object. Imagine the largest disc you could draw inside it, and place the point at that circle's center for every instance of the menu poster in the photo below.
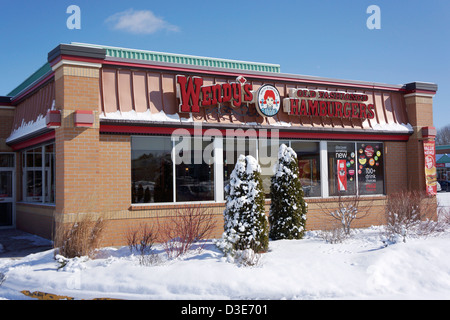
(430, 167)
(370, 169)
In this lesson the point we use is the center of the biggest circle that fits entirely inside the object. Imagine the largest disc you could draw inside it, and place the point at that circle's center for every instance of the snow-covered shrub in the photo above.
(245, 221)
(349, 209)
(288, 208)
(332, 232)
(246, 258)
(409, 213)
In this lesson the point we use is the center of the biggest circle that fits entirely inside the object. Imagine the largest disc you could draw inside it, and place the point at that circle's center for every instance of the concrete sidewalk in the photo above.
(17, 244)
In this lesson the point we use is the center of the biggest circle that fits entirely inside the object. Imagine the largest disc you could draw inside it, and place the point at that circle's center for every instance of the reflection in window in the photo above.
(6, 161)
(232, 149)
(39, 175)
(308, 156)
(268, 158)
(151, 170)
(5, 184)
(195, 173)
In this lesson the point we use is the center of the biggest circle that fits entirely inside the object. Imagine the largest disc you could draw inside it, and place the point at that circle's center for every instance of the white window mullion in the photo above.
(44, 186)
(174, 178)
(324, 169)
(218, 169)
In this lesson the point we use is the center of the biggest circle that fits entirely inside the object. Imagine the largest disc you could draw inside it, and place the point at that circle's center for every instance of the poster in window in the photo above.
(342, 175)
(370, 168)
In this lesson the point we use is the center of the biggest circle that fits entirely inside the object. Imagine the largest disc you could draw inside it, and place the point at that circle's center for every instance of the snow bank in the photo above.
(359, 268)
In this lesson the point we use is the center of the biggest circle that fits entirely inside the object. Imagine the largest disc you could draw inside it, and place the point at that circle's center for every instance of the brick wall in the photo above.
(420, 114)
(396, 168)
(77, 149)
(6, 122)
(36, 219)
(115, 172)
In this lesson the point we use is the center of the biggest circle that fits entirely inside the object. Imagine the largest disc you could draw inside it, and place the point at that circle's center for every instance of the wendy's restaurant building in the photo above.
(135, 135)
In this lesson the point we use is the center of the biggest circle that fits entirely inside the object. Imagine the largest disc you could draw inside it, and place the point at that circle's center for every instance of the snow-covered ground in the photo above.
(361, 267)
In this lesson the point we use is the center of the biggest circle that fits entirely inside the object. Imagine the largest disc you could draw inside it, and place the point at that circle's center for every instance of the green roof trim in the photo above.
(46, 68)
(444, 159)
(124, 53)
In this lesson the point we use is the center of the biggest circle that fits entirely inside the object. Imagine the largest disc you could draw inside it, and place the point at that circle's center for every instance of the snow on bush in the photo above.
(245, 222)
(288, 208)
(409, 214)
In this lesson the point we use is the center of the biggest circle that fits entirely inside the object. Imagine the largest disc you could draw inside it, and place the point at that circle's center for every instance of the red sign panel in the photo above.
(430, 167)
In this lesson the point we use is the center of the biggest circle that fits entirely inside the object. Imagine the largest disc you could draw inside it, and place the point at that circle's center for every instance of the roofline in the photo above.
(156, 56)
(99, 54)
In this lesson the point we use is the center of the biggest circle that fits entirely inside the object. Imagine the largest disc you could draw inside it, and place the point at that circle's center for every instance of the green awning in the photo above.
(444, 159)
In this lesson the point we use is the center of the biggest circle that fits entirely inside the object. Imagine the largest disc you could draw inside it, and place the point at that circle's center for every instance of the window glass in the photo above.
(151, 170)
(39, 174)
(308, 155)
(341, 168)
(370, 168)
(5, 184)
(232, 149)
(6, 160)
(49, 174)
(267, 158)
(195, 170)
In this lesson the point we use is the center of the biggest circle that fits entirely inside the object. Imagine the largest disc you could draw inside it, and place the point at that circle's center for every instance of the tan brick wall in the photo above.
(35, 219)
(420, 114)
(77, 149)
(6, 122)
(396, 168)
(115, 172)
(119, 223)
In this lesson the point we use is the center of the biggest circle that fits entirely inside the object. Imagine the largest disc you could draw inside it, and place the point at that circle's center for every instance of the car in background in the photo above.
(445, 185)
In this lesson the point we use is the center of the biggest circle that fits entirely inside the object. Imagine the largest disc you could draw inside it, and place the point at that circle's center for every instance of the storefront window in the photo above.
(5, 184)
(6, 160)
(39, 175)
(151, 170)
(308, 155)
(341, 168)
(232, 149)
(183, 168)
(370, 168)
(268, 158)
(195, 174)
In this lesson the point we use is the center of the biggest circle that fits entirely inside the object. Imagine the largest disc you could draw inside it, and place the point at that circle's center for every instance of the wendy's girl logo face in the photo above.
(268, 103)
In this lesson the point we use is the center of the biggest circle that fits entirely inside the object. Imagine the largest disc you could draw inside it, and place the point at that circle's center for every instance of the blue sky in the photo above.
(326, 38)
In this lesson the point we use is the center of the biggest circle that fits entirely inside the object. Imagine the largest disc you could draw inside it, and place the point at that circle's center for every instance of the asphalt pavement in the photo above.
(17, 244)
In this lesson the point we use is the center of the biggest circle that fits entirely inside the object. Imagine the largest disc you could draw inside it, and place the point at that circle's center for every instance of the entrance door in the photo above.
(7, 206)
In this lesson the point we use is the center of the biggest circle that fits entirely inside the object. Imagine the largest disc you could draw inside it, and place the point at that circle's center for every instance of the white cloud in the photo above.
(139, 22)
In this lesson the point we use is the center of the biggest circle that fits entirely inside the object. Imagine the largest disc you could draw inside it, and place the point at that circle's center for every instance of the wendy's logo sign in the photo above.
(269, 102)
(193, 94)
(239, 94)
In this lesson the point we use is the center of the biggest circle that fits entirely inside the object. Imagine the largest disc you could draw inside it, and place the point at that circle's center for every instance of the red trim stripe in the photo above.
(34, 141)
(105, 128)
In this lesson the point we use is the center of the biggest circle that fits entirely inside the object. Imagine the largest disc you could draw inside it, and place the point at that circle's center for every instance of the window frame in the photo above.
(46, 175)
(220, 142)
